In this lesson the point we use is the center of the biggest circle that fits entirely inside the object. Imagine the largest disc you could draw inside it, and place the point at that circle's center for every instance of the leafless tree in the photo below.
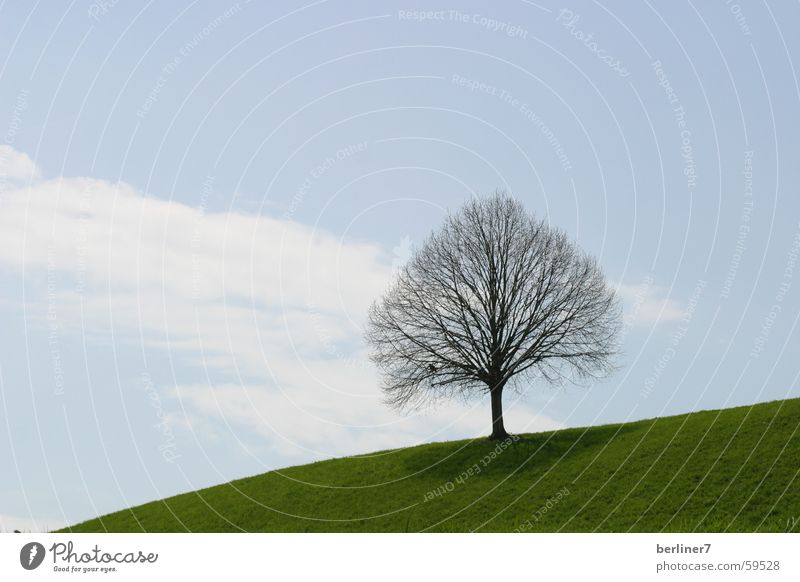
(494, 296)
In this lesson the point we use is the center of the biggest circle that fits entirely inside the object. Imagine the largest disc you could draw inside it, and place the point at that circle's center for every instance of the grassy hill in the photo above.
(730, 470)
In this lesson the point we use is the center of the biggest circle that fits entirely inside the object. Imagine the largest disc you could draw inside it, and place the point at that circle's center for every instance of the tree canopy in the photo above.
(494, 296)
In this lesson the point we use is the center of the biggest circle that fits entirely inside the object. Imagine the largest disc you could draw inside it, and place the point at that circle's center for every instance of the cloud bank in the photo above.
(268, 309)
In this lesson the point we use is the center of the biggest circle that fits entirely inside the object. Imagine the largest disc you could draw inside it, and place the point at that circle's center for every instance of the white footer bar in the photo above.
(379, 557)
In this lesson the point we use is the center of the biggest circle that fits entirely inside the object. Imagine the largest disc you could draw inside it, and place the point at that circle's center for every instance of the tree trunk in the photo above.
(498, 430)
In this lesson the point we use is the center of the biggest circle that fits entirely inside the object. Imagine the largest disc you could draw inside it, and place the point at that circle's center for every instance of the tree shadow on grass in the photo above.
(532, 452)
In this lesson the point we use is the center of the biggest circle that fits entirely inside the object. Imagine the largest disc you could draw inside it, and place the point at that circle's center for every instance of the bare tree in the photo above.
(494, 296)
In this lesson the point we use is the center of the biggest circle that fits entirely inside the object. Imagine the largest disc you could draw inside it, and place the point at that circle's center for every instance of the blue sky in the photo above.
(198, 202)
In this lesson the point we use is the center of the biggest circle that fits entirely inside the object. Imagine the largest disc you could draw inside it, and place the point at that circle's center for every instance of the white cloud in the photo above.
(648, 304)
(272, 301)
(16, 166)
(190, 280)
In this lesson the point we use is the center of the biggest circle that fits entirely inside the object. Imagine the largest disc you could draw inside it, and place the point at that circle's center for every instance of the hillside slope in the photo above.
(731, 470)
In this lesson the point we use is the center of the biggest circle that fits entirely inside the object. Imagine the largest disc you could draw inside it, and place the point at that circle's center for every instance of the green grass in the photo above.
(729, 470)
